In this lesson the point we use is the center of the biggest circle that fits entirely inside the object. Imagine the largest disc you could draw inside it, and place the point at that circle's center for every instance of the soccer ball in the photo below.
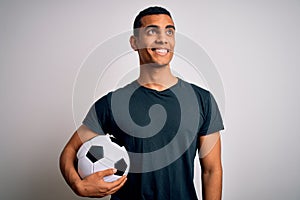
(101, 153)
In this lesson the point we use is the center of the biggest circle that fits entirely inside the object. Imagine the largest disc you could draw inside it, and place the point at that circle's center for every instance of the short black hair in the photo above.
(155, 10)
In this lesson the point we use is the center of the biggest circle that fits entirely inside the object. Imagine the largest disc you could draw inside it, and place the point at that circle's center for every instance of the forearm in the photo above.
(212, 185)
(66, 161)
(67, 168)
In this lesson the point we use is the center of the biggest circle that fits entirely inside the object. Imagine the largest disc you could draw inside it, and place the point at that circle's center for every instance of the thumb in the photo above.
(107, 172)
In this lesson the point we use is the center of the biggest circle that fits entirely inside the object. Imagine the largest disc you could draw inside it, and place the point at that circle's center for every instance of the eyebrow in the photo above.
(155, 26)
(170, 26)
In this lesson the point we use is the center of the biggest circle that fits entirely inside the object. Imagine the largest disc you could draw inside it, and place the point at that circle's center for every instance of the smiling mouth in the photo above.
(160, 51)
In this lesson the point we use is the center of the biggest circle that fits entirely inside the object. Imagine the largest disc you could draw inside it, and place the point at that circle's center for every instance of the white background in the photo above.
(253, 44)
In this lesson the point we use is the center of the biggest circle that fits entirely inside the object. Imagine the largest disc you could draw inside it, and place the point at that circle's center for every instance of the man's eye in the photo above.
(170, 32)
(151, 32)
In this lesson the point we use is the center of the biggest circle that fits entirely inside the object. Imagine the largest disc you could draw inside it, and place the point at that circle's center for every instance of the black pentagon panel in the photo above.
(121, 167)
(95, 153)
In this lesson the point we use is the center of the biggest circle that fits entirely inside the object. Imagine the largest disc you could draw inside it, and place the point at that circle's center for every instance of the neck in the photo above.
(156, 78)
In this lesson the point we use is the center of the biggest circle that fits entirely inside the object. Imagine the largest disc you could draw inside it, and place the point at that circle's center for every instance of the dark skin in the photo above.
(211, 166)
(157, 33)
(155, 45)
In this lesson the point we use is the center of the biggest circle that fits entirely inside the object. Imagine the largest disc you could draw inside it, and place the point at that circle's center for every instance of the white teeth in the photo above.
(161, 51)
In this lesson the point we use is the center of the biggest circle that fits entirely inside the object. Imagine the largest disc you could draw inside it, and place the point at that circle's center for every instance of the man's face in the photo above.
(156, 40)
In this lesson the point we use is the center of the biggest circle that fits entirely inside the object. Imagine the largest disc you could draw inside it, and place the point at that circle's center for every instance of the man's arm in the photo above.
(211, 166)
(93, 185)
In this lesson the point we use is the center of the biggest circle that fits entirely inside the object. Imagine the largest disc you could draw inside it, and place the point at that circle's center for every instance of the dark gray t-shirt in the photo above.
(163, 129)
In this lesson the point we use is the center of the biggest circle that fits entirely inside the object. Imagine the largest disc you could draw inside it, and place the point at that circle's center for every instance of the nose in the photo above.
(161, 38)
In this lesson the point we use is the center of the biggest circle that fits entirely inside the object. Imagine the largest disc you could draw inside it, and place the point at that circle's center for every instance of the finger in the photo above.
(116, 183)
(106, 172)
(115, 189)
(108, 186)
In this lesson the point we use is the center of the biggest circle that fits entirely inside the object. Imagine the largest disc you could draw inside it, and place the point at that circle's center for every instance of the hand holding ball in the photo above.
(100, 153)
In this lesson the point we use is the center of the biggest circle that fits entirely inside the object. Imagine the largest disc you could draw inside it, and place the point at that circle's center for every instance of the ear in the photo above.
(133, 43)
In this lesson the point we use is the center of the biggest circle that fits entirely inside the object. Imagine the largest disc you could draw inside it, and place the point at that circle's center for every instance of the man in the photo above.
(191, 116)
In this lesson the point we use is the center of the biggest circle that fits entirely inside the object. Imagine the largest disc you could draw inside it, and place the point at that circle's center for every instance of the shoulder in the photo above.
(200, 92)
(120, 92)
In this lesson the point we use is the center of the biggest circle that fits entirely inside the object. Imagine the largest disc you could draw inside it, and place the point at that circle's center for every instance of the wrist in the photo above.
(76, 187)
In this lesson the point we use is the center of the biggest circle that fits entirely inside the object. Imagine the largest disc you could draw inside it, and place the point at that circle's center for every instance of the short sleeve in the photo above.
(212, 117)
(92, 122)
